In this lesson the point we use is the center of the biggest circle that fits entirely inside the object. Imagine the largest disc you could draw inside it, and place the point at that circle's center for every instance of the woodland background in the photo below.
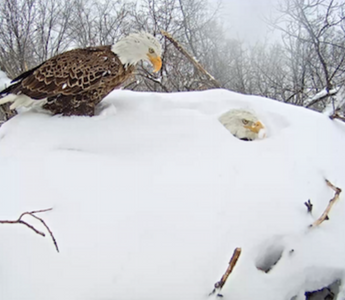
(306, 67)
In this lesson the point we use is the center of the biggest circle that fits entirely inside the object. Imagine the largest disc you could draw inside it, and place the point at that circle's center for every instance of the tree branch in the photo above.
(219, 285)
(324, 216)
(196, 64)
(336, 115)
(32, 214)
(329, 94)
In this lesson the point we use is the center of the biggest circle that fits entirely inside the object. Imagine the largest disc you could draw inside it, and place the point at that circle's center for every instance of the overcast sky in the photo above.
(245, 18)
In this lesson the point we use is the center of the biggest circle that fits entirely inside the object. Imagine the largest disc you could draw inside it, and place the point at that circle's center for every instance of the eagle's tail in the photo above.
(13, 88)
(9, 94)
(14, 94)
(20, 100)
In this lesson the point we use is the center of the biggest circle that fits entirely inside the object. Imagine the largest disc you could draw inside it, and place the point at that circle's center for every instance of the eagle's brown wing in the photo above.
(70, 73)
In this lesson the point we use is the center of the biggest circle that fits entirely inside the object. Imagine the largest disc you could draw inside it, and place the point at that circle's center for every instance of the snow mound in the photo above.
(151, 197)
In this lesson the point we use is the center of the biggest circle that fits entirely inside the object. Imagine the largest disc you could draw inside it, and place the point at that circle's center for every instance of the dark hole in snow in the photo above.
(327, 293)
(269, 257)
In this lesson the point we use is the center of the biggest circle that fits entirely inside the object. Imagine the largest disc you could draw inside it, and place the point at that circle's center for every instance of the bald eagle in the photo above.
(243, 124)
(74, 82)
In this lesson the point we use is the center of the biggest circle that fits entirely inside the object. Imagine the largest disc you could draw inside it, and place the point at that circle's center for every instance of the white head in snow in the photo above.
(139, 46)
(243, 124)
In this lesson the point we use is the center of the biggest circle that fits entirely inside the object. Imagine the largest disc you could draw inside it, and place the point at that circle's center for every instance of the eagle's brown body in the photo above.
(73, 82)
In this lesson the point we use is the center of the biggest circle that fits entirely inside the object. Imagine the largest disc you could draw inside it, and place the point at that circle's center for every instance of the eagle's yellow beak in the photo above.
(156, 61)
(255, 127)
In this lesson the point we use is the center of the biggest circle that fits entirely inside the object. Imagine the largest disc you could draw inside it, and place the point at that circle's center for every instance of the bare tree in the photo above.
(313, 36)
(16, 20)
(51, 28)
(32, 31)
(99, 22)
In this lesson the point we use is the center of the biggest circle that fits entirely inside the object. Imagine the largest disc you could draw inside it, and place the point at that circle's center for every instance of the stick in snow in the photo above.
(218, 285)
(309, 206)
(324, 216)
(32, 214)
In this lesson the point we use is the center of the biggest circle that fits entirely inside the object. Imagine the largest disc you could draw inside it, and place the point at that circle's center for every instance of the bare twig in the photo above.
(336, 115)
(196, 64)
(309, 206)
(32, 214)
(329, 94)
(324, 216)
(235, 256)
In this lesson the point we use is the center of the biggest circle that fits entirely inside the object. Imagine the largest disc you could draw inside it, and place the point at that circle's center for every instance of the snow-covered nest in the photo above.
(151, 197)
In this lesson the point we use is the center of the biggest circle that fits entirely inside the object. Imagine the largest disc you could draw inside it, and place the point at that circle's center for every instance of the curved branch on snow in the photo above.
(32, 214)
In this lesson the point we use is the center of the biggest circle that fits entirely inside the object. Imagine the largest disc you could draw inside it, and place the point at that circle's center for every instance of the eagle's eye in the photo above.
(245, 122)
(151, 51)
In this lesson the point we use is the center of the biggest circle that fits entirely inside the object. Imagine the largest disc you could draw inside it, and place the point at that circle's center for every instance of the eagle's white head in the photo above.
(243, 124)
(139, 46)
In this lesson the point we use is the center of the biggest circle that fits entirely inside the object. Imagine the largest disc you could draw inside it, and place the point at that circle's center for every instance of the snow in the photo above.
(4, 80)
(323, 93)
(151, 197)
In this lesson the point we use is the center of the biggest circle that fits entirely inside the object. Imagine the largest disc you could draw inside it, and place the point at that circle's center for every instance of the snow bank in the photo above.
(151, 197)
